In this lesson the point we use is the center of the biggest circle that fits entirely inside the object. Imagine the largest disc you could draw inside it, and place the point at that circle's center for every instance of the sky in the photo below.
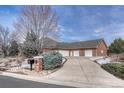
(78, 23)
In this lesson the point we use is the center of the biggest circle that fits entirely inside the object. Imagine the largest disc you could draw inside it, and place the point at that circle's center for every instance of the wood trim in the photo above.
(69, 52)
(96, 52)
(72, 53)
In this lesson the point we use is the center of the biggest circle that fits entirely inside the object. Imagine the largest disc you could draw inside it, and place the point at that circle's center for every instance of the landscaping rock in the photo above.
(3, 64)
(103, 61)
(26, 66)
(15, 65)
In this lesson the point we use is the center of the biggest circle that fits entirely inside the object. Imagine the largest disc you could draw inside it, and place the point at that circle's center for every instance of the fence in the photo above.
(117, 57)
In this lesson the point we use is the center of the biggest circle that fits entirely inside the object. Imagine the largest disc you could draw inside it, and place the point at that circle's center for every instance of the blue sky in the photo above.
(79, 23)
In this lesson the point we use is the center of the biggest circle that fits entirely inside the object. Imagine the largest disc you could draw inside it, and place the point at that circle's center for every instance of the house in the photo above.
(83, 48)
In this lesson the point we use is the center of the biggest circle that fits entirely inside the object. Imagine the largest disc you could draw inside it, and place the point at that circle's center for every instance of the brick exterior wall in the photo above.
(81, 52)
(94, 52)
(102, 50)
(46, 50)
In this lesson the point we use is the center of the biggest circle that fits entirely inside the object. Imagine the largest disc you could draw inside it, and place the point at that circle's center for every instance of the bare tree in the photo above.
(4, 39)
(39, 19)
(14, 36)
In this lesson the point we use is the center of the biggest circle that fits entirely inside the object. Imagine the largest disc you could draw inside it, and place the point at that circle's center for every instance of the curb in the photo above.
(46, 79)
(38, 79)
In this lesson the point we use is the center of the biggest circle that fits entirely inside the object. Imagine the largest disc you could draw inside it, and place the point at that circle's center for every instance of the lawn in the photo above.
(116, 69)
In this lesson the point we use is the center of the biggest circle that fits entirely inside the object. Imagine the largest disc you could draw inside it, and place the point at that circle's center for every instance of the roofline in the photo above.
(103, 42)
(71, 48)
(99, 42)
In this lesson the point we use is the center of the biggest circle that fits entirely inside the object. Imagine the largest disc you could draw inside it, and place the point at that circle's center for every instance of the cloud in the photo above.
(71, 35)
(79, 23)
(99, 30)
(91, 22)
(8, 15)
(64, 32)
(110, 32)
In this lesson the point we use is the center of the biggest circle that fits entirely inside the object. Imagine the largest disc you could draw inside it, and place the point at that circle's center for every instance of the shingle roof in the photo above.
(49, 43)
(74, 45)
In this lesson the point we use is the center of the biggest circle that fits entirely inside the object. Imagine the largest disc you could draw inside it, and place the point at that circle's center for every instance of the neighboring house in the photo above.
(83, 48)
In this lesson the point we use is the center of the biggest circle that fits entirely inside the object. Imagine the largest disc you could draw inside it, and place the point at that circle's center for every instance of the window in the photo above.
(102, 51)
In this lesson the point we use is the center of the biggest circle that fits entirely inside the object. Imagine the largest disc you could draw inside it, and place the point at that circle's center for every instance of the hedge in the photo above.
(116, 69)
(52, 60)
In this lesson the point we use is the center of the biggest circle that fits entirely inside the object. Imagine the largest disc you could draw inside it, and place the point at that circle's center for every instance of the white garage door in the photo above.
(76, 52)
(88, 53)
(64, 52)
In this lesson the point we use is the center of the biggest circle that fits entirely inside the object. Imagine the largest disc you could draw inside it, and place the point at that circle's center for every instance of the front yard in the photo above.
(42, 65)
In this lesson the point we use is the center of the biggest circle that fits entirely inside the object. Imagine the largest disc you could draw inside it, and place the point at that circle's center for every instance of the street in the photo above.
(9, 82)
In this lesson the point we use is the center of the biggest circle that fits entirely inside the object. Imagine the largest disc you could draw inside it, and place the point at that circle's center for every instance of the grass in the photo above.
(115, 69)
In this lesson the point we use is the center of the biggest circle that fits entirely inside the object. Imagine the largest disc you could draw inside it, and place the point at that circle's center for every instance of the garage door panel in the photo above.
(64, 52)
(76, 53)
(88, 53)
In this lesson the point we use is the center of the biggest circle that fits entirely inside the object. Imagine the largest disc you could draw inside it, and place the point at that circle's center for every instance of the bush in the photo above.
(52, 60)
(115, 69)
(29, 51)
(13, 49)
(29, 47)
(117, 46)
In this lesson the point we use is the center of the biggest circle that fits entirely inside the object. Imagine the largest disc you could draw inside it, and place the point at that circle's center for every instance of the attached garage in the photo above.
(88, 48)
(69, 53)
(88, 53)
(64, 52)
(76, 53)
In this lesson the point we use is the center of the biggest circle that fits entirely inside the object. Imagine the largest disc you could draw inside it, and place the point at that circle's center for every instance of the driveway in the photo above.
(85, 72)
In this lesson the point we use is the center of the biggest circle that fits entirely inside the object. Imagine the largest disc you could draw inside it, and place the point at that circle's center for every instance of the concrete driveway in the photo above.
(85, 72)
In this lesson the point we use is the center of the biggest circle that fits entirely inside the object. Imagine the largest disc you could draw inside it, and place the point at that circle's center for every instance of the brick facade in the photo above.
(94, 52)
(101, 50)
